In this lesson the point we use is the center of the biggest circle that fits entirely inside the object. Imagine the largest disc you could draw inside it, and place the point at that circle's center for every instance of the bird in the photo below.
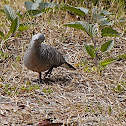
(41, 57)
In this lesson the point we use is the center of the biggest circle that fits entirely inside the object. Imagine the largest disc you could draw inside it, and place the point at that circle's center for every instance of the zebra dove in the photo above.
(41, 57)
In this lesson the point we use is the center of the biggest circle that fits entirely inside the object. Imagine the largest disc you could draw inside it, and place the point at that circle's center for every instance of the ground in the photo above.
(84, 97)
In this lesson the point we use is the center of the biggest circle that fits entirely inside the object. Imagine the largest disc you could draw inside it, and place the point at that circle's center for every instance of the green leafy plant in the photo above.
(100, 26)
(15, 26)
(109, 32)
(10, 13)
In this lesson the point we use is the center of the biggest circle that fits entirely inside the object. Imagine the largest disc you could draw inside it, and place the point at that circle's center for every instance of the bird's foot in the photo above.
(48, 73)
(41, 81)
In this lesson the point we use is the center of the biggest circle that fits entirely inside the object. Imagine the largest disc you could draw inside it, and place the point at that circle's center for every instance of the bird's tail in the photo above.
(68, 66)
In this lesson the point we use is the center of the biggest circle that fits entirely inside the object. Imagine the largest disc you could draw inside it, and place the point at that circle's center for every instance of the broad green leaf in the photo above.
(1, 34)
(45, 5)
(90, 50)
(34, 13)
(105, 12)
(102, 18)
(77, 10)
(85, 10)
(28, 5)
(107, 61)
(15, 25)
(31, 6)
(107, 46)
(103, 21)
(23, 27)
(106, 23)
(34, 6)
(10, 12)
(108, 31)
(76, 24)
(90, 29)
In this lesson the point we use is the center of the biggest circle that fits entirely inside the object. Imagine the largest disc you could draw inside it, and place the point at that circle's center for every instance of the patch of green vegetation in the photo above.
(1, 85)
(120, 87)
(121, 57)
(109, 109)
(4, 55)
(48, 90)
(87, 66)
(18, 58)
(89, 109)
(28, 87)
(11, 90)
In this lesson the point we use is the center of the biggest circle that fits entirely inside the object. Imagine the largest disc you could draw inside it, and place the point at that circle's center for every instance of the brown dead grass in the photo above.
(78, 98)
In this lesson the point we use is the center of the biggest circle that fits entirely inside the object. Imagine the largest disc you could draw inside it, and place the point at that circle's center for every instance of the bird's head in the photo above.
(38, 38)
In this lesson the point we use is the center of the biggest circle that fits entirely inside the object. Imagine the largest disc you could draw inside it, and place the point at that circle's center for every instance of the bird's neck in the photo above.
(34, 44)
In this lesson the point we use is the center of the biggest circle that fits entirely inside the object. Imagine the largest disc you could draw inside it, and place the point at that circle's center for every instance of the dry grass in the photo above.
(76, 98)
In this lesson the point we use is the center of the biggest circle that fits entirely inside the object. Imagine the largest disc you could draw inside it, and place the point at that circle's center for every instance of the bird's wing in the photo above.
(51, 56)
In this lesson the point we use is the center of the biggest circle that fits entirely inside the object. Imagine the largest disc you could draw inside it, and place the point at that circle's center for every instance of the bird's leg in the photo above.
(40, 79)
(48, 72)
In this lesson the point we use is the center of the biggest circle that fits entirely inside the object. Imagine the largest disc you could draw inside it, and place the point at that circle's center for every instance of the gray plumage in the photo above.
(41, 57)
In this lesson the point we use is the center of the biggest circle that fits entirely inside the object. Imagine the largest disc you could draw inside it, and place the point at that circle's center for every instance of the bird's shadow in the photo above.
(50, 81)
